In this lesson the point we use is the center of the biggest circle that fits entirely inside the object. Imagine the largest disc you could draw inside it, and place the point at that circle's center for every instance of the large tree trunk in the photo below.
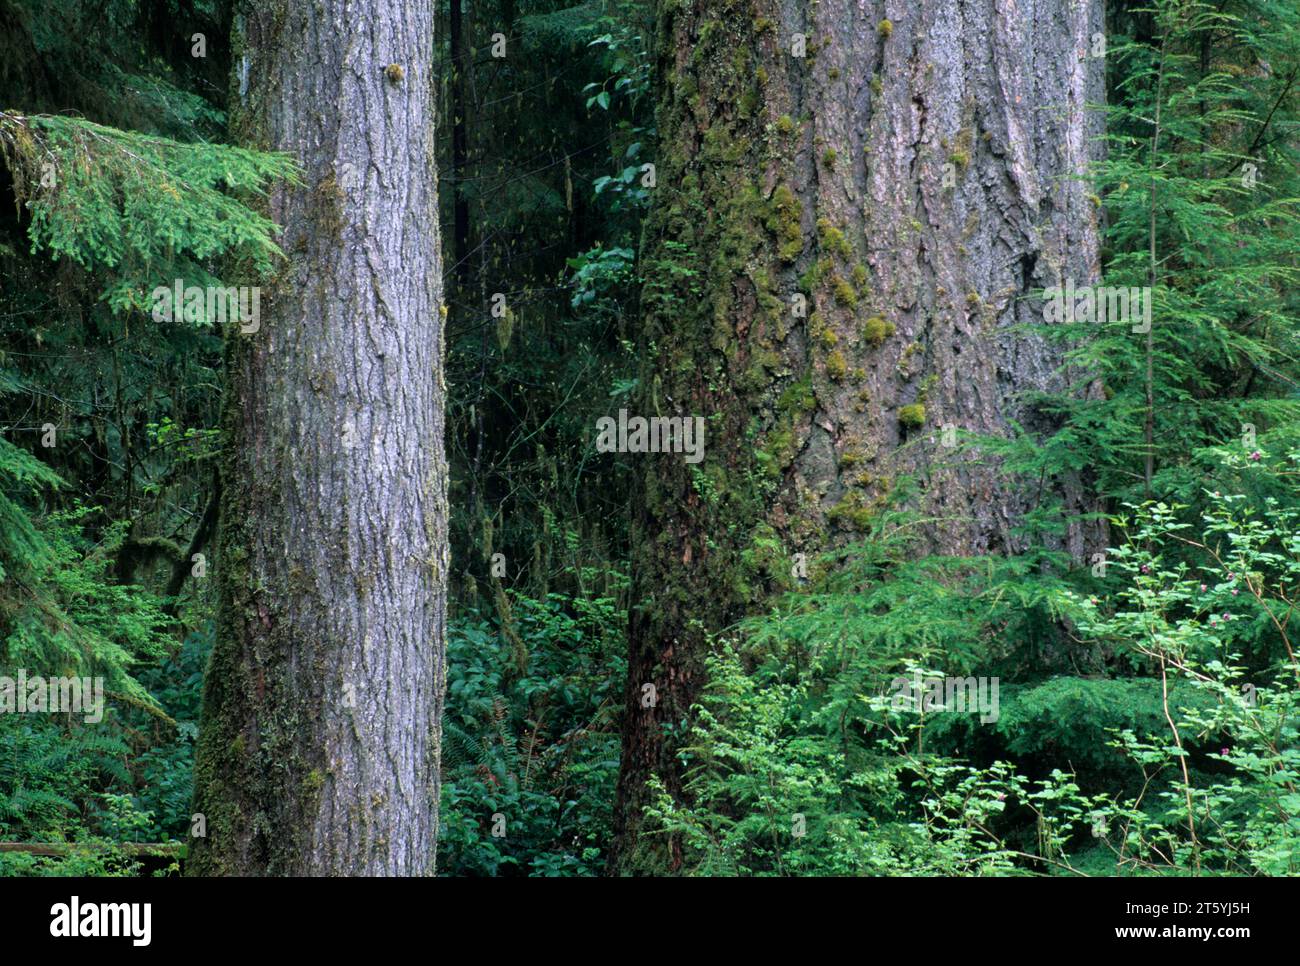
(320, 737)
(912, 177)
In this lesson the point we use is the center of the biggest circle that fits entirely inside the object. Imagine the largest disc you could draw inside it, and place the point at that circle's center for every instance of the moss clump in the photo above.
(764, 559)
(832, 238)
(844, 293)
(961, 149)
(785, 124)
(909, 362)
(876, 85)
(777, 451)
(927, 384)
(797, 398)
(762, 362)
(829, 158)
(810, 279)
(707, 31)
(783, 221)
(763, 24)
(885, 29)
(859, 277)
(836, 366)
(912, 417)
(878, 329)
(852, 512)
(779, 446)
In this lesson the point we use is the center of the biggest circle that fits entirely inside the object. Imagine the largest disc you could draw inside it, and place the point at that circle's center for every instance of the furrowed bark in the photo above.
(320, 737)
(914, 176)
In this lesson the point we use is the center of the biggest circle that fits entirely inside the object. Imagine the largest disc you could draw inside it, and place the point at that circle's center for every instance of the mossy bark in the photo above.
(318, 751)
(912, 178)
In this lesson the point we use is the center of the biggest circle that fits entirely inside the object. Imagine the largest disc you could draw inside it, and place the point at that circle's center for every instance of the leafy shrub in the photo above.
(539, 748)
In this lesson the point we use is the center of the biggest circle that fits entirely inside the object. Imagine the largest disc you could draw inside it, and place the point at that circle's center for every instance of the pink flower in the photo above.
(1255, 455)
(1202, 588)
(1223, 751)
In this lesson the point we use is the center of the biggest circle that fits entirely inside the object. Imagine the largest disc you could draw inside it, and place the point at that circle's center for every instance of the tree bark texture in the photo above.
(320, 738)
(914, 176)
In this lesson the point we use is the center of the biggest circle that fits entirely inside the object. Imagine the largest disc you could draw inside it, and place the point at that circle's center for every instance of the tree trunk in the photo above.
(911, 177)
(320, 737)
